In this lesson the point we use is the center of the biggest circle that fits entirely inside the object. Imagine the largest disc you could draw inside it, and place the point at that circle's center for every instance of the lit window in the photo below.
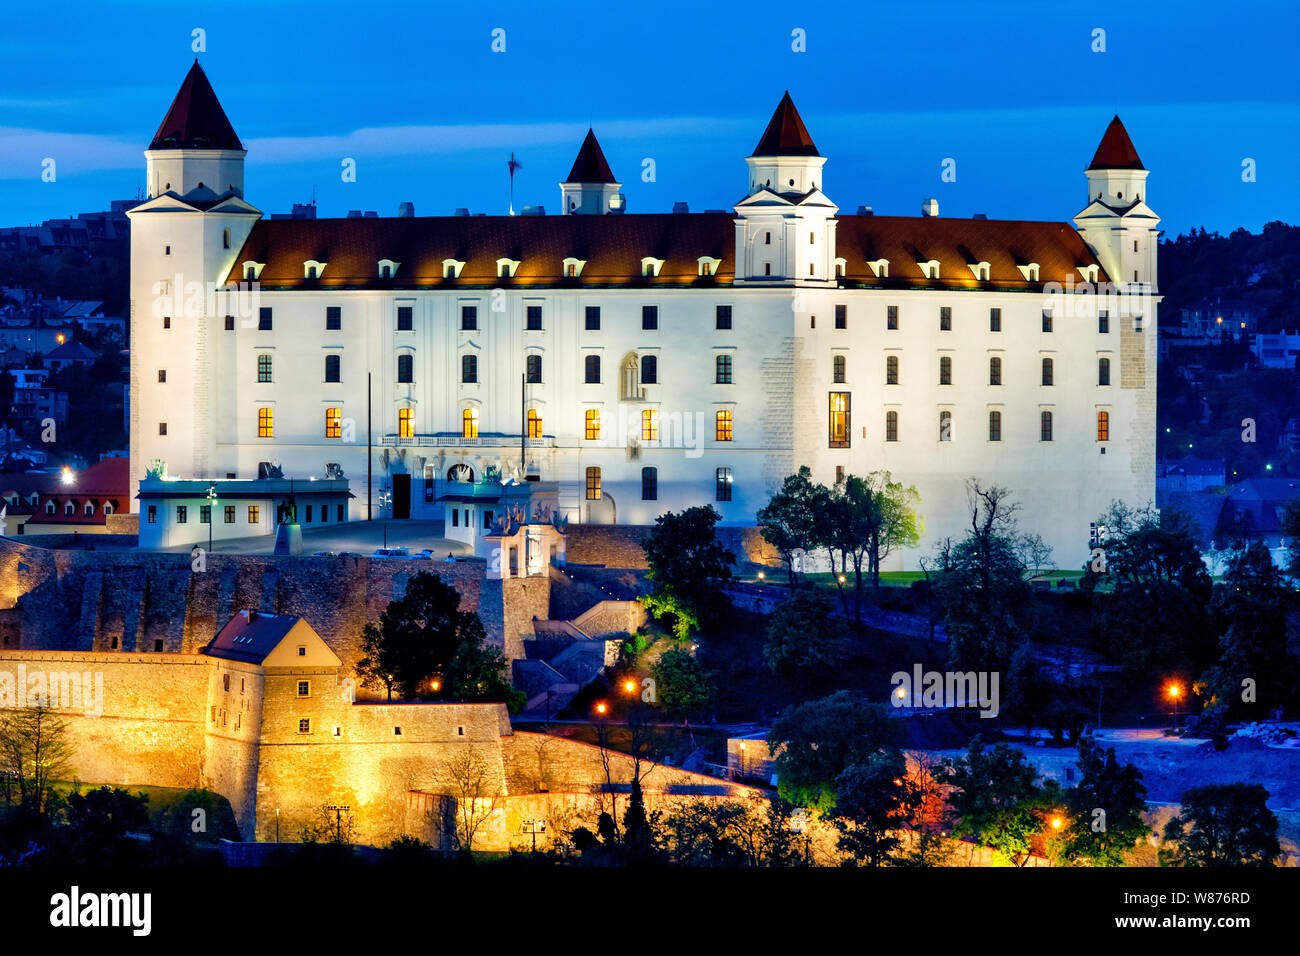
(265, 423)
(469, 423)
(839, 419)
(406, 423)
(649, 424)
(1103, 426)
(593, 484)
(593, 424)
(723, 423)
(254, 514)
(333, 423)
(534, 423)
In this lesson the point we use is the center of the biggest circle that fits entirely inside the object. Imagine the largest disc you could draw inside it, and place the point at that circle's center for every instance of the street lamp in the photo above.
(212, 513)
(601, 707)
(385, 502)
(534, 827)
(1174, 693)
(277, 824)
(629, 685)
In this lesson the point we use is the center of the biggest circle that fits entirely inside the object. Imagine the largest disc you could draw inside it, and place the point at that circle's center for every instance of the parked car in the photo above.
(391, 553)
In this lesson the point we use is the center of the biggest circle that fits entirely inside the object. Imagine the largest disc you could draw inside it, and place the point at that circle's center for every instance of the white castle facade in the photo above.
(647, 362)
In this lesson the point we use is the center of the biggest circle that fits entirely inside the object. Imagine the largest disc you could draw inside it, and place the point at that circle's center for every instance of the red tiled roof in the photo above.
(250, 636)
(614, 245)
(590, 166)
(785, 134)
(196, 119)
(1116, 149)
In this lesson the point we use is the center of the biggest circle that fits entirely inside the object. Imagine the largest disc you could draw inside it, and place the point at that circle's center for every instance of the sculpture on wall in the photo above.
(157, 469)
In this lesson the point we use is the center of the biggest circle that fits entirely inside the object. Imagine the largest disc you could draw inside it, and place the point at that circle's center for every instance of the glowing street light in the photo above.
(1175, 692)
(1056, 823)
(629, 685)
(601, 707)
(66, 476)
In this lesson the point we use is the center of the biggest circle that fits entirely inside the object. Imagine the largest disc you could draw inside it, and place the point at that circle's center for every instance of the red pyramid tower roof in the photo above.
(195, 120)
(1116, 150)
(590, 166)
(785, 134)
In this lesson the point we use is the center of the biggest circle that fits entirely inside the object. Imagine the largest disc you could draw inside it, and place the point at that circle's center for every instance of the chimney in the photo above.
(980, 215)
(354, 214)
(406, 210)
(681, 207)
(461, 211)
(930, 207)
(866, 211)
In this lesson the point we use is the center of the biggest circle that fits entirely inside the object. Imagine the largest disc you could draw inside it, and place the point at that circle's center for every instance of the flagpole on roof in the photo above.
(512, 165)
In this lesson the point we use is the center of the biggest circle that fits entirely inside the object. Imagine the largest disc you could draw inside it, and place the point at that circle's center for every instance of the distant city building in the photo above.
(87, 231)
(71, 353)
(1209, 321)
(1254, 510)
(1277, 351)
(33, 335)
(1190, 474)
(82, 503)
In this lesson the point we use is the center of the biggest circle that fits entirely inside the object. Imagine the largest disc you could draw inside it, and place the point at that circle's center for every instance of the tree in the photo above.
(870, 800)
(803, 641)
(475, 784)
(98, 828)
(682, 686)
(1255, 666)
(1291, 529)
(1104, 809)
(814, 742)
(788, 521)
(34, 753)
(925, 805)
(1222, 825)
(980, 582)
(997, 799)
(688, 569)
(896, 524)
(1030, 691)
(1155, 619)
(424, 634)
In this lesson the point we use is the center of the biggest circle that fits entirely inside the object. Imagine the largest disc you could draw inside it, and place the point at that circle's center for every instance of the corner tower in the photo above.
(591, 188)
(1117, 224)
(785, 225)
(184, 240)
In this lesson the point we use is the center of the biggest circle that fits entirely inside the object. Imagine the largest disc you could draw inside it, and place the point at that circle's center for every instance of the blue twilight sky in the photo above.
(413, 92)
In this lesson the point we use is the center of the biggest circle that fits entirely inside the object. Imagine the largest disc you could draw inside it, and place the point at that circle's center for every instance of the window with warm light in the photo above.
(593, 424)
(1103, 426)
(265, 423)
(839, 420)
(333, 423)
(649, 424)
(722, 424)
(534, 423)
(406, 423)
(469, 423)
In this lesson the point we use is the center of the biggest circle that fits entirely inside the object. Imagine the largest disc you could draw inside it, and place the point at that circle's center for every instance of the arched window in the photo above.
(1103, 426)
(534, 423)
(995, 426)
(723, 424)
(591, 366)
(332, 368)
(722, 370)
(469, 423)
(592, 431)
(649, 484)
(649, 370)
(891, 426)
(945, 426)
(1103, 371)
(995, 371)
(1047, 371)
(891, 370)
(1045, 426)
(405, 368)
(265, 423)
(945, 370)
(406, 423)
(333, 423)
(533, 368)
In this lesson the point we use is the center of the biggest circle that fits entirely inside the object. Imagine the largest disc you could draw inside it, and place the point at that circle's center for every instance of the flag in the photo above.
(513, 164)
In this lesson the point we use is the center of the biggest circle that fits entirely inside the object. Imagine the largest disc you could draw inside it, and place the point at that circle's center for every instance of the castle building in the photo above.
(647, 362)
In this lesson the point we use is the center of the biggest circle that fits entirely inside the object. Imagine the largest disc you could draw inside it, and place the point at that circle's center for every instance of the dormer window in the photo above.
(253, 270)
(840, 265)
(879, 268)
(1030, 271)
(49, 507)
(650, 266)
(108, 507)
(1090, 273)
(387, 268)
(573, 267)
(980, 270)
(313, 269)
(506, 268)
(451, 268)
(709, 265)
(89, 510)
(930, 268)
(69, 509)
